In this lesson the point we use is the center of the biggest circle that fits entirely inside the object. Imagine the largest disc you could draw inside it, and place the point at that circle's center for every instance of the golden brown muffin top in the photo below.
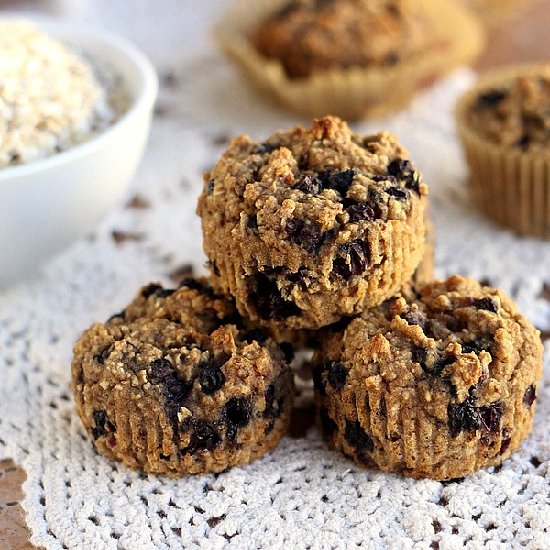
(457, 332)
(309, 36)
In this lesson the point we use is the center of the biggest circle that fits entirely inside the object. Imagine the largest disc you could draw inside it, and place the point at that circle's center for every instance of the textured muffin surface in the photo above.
(437, 385)
(174, 385)
(310, 36)
(312, 224)
(515, 114)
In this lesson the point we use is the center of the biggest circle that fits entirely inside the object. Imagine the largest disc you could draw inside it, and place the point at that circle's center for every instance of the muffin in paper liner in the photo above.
(437, 384)
(355, 92)
(510, 185)
(175, 384)
(313, 224)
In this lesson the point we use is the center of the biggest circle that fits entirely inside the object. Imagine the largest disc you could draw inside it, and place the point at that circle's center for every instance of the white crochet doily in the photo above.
(300, 495)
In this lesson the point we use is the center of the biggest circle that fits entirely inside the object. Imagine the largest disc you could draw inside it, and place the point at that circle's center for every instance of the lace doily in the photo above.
(301, 495)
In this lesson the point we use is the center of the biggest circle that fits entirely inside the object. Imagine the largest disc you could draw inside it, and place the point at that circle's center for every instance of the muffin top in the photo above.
(186, 317)
(313, 182)
(309, 36)
(514, 114)
(457, 335)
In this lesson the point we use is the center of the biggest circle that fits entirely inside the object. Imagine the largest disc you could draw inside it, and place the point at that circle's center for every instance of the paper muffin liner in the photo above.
(143, 437)
(511, 187)
(425, 271)
(357, 92)
(398, 243)
(416, 446)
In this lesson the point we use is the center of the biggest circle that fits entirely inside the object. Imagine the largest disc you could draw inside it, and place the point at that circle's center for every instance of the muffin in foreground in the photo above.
(504, 125)
(312, 224)
(352, 58)
(172, 385)
(436, 385)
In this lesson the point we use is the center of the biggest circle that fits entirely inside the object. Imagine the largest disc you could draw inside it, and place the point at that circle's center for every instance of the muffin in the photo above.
(313, 224)
(174, 384)
(311, 36)
(504, 124)
(351, 58)
(436, 385)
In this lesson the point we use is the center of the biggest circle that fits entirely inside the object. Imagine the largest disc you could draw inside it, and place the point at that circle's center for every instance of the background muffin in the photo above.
(311, 36)
(504, 124)
(351, 58)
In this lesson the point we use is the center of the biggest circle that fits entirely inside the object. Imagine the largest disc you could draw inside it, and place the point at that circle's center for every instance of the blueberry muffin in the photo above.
(437, 384)
(312, 224)
(351, 58)
(311, 36)
(174, 385)
(504, 124)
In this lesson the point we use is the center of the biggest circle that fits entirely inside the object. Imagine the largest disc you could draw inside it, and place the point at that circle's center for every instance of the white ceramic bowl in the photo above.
(47, 204)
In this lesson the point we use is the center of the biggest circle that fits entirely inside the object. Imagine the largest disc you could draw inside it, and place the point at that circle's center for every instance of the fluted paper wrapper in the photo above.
(425, 271)
(358, 92)
(511, 187)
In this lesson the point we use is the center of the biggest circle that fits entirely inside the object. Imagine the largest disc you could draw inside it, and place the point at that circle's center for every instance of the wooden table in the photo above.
(525, 38)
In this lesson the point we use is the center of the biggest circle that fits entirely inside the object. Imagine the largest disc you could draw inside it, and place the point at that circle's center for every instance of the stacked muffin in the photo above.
(319, 230)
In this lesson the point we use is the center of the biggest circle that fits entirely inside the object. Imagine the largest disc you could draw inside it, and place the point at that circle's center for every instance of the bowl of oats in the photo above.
(75, 115)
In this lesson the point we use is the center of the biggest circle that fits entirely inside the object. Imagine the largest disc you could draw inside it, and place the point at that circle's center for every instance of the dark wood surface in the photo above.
(521, 39)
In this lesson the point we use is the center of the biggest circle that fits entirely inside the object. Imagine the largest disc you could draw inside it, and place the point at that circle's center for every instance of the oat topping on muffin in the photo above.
(175, 384)
(312, 224)
(436, 384)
